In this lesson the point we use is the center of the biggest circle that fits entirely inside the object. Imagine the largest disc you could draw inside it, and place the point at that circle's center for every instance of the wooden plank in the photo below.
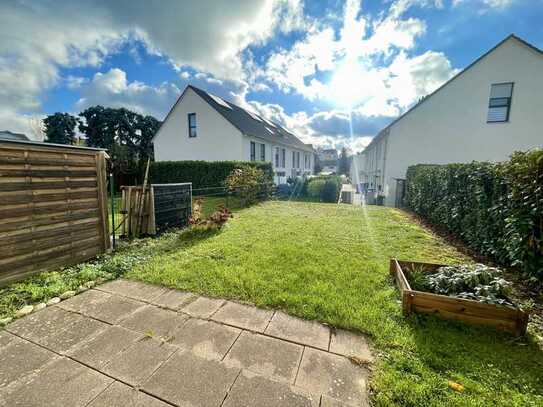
(44, 256)
(53, 231)
(47, 209)
(502, 324)
(49, 220)
(101, 175)
(463, 306)
(29, 196)
(31, 246)
(35, 186)
(46, 173)
(7, 160)
(50, 264)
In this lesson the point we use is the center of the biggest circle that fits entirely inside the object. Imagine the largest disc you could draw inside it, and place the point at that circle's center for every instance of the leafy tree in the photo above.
(318, 165)
(127, 136)
(60, 128)
(344, 162)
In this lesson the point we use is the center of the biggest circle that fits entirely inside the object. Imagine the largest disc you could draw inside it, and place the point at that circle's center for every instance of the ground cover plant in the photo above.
(471, 281)
(330, 263)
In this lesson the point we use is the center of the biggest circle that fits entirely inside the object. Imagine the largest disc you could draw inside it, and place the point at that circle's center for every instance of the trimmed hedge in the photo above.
(495, 208)
(202, 174)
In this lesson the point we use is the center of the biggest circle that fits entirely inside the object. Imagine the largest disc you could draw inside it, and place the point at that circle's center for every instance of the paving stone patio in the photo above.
(126, 343)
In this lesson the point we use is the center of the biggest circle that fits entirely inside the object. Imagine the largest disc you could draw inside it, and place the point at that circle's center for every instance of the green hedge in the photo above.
(495, 208)
(202, 174)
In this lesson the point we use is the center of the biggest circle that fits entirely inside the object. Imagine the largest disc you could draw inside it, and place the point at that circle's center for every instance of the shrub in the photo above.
(248, 184)
(331, 189)
(495, 208)
(202, 174)
(315, 187)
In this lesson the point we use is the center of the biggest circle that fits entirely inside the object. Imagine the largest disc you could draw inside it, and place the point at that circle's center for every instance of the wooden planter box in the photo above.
(502, 317)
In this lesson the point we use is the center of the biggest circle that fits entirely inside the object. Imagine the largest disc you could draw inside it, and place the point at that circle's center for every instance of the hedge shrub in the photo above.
(495, 208)
(202, 174)
(324, 188)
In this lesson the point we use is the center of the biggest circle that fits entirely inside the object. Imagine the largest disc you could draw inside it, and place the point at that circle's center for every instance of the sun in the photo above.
(345, 84)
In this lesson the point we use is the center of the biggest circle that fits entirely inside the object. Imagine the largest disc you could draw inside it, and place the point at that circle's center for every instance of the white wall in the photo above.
(451, 126)
(217, 139)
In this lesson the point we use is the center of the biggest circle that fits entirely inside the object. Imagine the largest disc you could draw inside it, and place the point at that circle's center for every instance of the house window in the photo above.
(276, 156)
(192, 124)
(293, 159)
(263, 152)
(499, 104)
(253, 151)
(283, 157)
(297, 159)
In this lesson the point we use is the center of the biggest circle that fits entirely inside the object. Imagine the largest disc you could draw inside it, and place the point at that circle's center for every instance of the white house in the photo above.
(202, 126)
(486, 112)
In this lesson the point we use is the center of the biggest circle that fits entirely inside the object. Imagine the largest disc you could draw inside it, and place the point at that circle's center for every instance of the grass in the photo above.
(330, 263)
(327, 262)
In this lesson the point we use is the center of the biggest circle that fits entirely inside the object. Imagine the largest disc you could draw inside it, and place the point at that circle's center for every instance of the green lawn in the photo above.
(330, 263)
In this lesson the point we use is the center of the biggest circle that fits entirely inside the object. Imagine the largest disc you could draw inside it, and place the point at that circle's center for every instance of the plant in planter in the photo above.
(475, 282)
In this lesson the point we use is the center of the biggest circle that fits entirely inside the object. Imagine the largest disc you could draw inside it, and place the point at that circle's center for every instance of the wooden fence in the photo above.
(53, 207)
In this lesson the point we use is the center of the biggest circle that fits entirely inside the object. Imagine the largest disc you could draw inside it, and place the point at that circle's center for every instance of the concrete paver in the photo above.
(101, 305)
(135, 344)
(61, 383)
(154, 321)
(19, 358)
(133, 289)
(188, 380)
(243, 316)
(42, 324)
(267, 356)
(251, 390)
(97, 351)
(206, 339)
(136, 363)
(173, 299)
(6, 338)
(332, 375)
(299, 330)
(202, 307)
(350, 344)
(121, 395)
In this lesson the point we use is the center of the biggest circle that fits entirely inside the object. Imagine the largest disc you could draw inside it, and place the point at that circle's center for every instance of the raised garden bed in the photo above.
(502, 317)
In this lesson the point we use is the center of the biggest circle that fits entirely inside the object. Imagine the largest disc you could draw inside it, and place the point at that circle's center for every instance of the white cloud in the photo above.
(370, 63)
(184, 75)
(114, 90)
(486, 5)
(40, 37)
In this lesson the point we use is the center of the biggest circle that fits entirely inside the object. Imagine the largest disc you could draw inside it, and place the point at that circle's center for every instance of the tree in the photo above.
(125, 134)
(344, 162)
(318, 165)
(60, 128)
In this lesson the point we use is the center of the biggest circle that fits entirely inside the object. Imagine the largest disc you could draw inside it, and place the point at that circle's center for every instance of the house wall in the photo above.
(451, 126)
(217, 139)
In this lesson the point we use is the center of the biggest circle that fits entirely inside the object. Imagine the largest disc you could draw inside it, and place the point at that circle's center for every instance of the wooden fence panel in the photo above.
(53, 207)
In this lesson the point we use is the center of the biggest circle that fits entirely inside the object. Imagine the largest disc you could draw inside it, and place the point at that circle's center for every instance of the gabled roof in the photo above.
(247, 122)
(384, 131)
(6, 134)
(250, 123)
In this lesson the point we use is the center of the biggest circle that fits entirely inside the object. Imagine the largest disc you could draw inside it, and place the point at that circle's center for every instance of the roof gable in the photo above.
(249, 123)
(512, 37)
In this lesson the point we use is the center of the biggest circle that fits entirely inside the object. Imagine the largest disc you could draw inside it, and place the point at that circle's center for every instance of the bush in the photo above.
(324, 188)
(202, 174)
(331, 189)
(248, 184)
(315, 187)
(495, 208)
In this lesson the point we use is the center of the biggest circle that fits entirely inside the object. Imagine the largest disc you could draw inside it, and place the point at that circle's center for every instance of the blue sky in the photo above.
(310, 65)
